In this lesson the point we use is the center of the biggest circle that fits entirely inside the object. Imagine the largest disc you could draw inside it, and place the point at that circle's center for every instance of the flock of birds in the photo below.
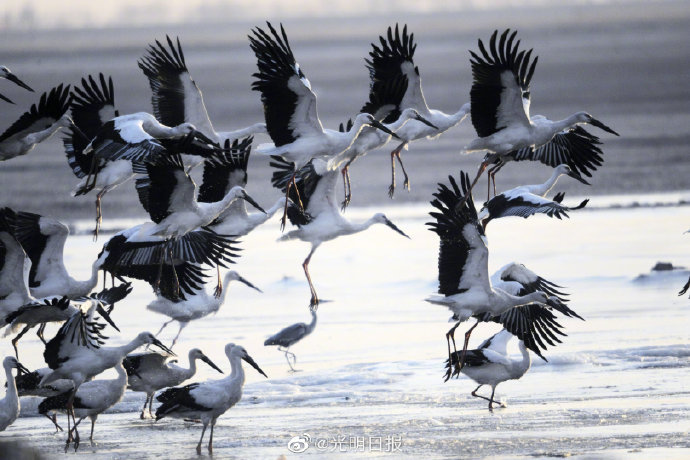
(192, 231)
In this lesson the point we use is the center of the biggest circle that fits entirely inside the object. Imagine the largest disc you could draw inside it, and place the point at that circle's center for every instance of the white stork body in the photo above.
(36, 125)
(148, 372)
(9, 405)
(7, 74)
(321, 219)
(210, 399)
(490, 364)
(195, 306)
(289, 336)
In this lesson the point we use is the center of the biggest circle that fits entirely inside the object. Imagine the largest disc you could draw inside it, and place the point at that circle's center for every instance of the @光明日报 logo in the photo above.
(299, 444)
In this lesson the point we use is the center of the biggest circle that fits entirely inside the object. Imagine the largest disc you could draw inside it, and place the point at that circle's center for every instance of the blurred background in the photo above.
(625, 62)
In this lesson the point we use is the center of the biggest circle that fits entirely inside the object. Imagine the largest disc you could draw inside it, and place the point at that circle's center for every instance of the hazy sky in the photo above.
(26, 14)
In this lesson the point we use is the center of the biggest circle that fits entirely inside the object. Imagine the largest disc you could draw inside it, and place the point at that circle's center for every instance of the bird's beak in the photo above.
(6, 99)
(378, 125)
(418, 117)
(105, 315)
(254, 365)
(158, 343)
(600, 125)
(242, 280)
(394, 227)
(251, 201)
(205, 359)
(13, 78)
(577, 176)
(21, 369)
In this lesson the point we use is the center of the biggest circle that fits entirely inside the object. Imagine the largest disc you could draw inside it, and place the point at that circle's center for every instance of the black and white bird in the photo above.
(290, 335)
(28, 384)
(90, 400)
(321, 220)
(40, 312)
(500, 99)
(106, 152)
(464, 284)
(176, 98)
(208, 400)
(168, 194)
(43, 239)
(197, 304)
(8, 75)
(9, 405)
(490, 364)
(173, 268)
(150, 371)
(37, 124)
(527, 200)
(221, 174)
(290, 110)
(394, 60)
(77, 352)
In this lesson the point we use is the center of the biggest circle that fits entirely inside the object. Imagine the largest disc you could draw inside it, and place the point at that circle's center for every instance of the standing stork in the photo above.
(176, 98)
(527, 200)
(289, 104)
(221, 174)
(464, 282)
(90, 400)
(500, 98)
(8, 75)
(321, 220)
(287, 337)
(37, 124)
(150, 371)
(490, 364)
(9, 405)
(210, 399)
(394, 60)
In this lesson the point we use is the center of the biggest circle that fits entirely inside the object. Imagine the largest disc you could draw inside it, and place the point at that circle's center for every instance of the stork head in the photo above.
(368, 119)
(237, 350)
(232, 275)
(195, 353)
(8, 75)
(239, 192)
(147, 337)
(11, 361)
(584, 117)
(412, 114)
(566, 170)
(381, 218)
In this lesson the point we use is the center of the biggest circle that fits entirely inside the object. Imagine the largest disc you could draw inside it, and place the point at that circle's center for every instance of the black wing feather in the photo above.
(51, 106)
(225, 171)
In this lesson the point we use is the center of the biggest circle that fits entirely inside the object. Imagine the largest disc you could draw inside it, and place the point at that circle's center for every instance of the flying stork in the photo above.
(500, 99)
(37, 124)
(290, 110)
(321, 220)
(394, 60)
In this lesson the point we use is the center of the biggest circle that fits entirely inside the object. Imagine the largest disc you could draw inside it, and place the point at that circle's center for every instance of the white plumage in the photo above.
(9, 405)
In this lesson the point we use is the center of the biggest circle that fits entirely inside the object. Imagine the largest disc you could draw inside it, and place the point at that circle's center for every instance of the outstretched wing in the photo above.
(500, 87)
(78, 333)
(575, 147)
(50, 108)
(175, 97)
(289, 103)
(526, 205)
(225, 171)
(165, 185)
(463, 255)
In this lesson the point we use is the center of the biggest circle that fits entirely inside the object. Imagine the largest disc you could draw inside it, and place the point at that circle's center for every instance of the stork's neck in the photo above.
(11, 394)
(543, 189)
(356, 228)
(522, 366)
(237, 372)
(444, 121)
(312, 325)
(81, 288)
(560, 125)
(114, 354)
(192, 367)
